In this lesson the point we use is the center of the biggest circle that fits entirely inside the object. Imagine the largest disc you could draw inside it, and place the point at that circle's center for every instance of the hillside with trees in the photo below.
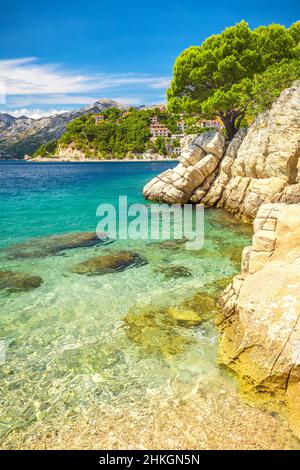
(120, 134)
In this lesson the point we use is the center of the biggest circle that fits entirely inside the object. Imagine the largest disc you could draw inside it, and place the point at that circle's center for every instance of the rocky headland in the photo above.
(261, 164)
(255, 177)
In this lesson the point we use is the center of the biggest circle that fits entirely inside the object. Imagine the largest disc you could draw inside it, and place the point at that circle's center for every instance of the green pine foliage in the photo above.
(224, 75)
(46, 150)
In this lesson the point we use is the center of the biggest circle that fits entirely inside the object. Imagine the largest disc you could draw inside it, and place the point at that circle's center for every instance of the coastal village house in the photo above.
(157, 129)
(99, 118)
(216, 123)
(174, 137)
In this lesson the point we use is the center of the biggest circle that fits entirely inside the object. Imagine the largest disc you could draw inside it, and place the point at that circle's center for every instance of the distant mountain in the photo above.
(23, 135)
(6, 120)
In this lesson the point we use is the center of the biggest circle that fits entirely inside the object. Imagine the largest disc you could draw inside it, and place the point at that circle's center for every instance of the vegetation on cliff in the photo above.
(229, 73)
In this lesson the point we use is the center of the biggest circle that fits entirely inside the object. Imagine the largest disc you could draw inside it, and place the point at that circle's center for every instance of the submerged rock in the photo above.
(173, 271)
(233, 252)
(203, 304)
(154, 332)
(216, 287)
(15, 281)
(184, 315)
(52, 245)
(160, 330)
(169, 244)
(109, 263)
(221, 219)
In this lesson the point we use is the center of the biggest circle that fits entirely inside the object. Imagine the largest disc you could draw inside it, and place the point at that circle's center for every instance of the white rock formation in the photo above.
(260, 320)
(198, 161)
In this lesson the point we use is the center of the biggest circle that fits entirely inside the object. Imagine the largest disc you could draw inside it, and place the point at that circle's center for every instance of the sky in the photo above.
(62, 55)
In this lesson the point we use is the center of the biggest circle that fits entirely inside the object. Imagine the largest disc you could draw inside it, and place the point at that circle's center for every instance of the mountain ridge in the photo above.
(22, 135)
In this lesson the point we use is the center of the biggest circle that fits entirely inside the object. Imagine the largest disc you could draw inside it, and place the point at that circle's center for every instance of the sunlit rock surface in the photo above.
(198, 160)
(260, 320)
(267, 162)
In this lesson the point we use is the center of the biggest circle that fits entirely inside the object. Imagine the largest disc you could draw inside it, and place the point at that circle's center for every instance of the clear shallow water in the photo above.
(69, 352)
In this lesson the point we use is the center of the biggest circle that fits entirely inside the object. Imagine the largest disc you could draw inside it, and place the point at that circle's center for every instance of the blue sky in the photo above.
(65, 54)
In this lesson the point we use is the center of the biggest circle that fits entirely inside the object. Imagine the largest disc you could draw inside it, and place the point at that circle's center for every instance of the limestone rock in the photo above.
(267, 162)
(199, 160)
(155, 332)
(184, 315)
(260, 318)
(173, 271)
(203, 304)
(211, 142)
(215, 191)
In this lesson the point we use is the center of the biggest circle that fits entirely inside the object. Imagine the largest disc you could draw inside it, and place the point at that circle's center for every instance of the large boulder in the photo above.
(199, 159)
(260, 320)
(215, 191)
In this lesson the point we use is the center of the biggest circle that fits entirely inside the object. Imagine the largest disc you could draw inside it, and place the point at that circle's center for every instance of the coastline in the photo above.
(218, 400)
(91, 160)
(150, 312)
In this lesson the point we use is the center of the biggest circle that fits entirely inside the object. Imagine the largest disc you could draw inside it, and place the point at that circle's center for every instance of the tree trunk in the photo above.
(232, 121)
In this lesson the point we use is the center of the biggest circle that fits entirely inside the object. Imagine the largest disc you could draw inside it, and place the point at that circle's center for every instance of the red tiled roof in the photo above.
(158, 126)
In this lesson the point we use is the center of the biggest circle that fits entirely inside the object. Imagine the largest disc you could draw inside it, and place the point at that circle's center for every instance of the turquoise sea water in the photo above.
(68, 349)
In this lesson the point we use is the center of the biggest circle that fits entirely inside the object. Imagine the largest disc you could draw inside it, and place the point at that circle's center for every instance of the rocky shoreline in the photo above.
(260, 319)
(256, 177)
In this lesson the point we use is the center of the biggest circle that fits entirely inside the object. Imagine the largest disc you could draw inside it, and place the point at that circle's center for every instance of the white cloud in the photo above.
(35, 113)
(161, 83)
(52, 100)
(29, 77)
(67, 100)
